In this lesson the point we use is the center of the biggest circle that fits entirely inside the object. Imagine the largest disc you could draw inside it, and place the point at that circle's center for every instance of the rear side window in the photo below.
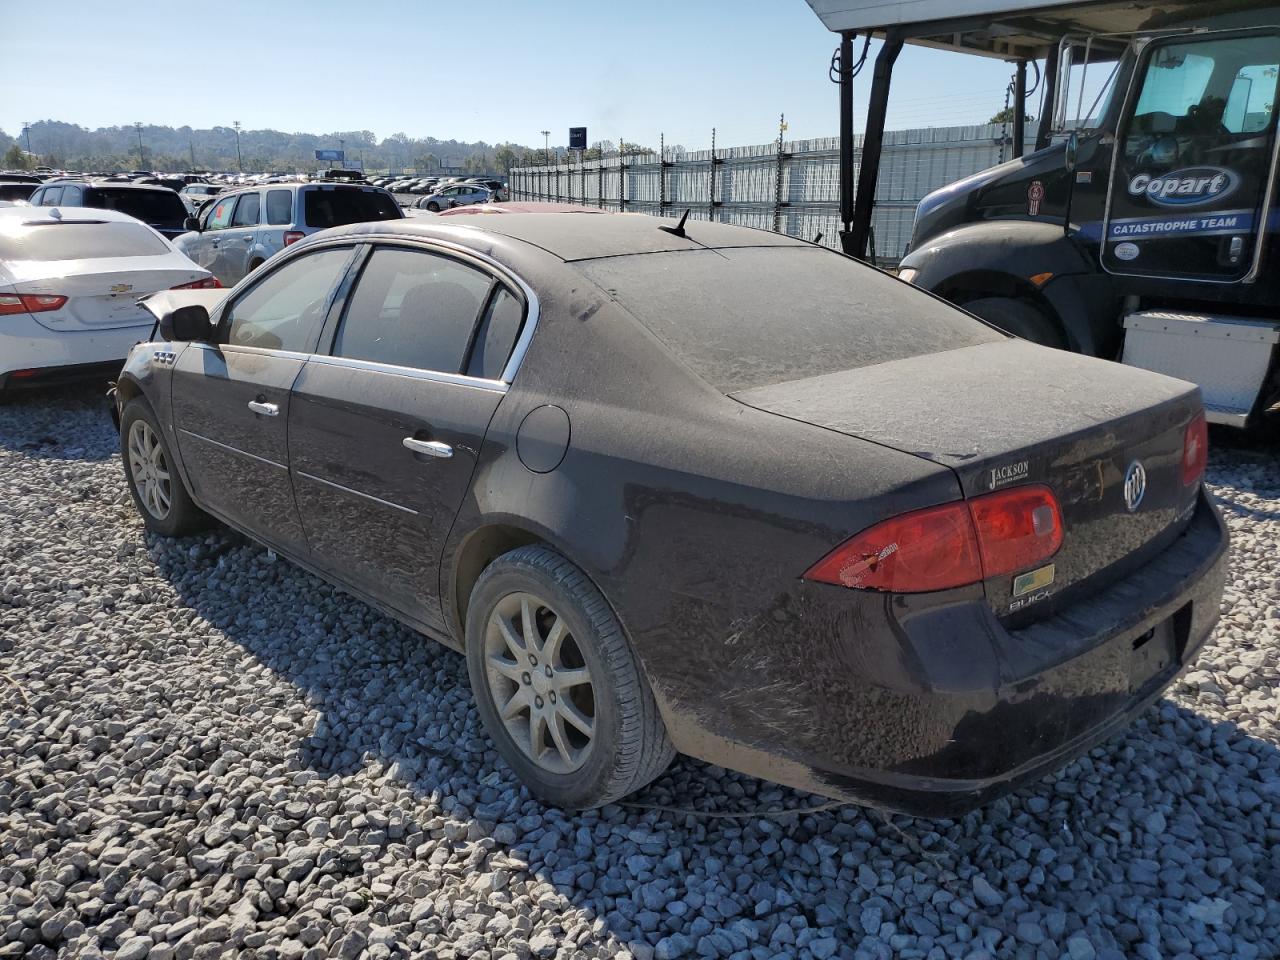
(72, 196)
(497, 336)
(412, 309)
(279, 207)
(753, 316)
(80, 241)
(333, 208)
(285, 309)
(149, 206)
(246, 211)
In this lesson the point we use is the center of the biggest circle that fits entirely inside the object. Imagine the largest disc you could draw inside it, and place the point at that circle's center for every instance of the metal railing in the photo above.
(792, 187)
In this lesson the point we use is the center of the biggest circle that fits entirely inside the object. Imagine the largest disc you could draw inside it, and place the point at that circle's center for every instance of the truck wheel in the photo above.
(557, 685)
(1020, 318)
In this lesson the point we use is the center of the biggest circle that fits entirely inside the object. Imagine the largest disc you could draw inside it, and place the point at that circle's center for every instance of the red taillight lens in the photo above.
(1195, 450)
(949, 546)
(293, 236)
(29, 303)
(933, 549)
(1016, 528)
(208, 283)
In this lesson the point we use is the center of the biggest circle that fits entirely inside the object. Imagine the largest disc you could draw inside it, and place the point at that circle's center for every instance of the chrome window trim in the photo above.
(253, 351)
(355, 493)
(236, 450)
(416, 373)
(532, 307)
(518, 350)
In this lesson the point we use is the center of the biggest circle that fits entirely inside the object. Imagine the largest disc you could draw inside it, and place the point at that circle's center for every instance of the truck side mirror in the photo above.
(189, 323)
(1072, 152)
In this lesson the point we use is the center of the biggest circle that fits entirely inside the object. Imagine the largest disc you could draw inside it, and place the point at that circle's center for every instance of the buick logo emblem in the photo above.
(1135, 485)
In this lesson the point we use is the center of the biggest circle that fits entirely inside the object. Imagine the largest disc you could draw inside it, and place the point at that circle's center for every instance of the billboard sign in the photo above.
(577, 138)
(338, 155)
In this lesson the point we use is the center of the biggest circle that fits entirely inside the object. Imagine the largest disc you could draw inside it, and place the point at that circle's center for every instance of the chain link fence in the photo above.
(789, 186)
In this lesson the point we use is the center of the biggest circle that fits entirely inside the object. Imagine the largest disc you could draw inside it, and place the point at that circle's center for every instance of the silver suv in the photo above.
(240, 229)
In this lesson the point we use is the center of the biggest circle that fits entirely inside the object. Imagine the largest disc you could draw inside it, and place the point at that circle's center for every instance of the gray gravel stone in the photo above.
(220, 756)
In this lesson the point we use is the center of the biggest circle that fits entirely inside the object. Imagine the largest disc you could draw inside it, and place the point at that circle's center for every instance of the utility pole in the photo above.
(191, 144)
(26, 129)
(142, 157)
(239, 159)
(546, 146)
(342, 149)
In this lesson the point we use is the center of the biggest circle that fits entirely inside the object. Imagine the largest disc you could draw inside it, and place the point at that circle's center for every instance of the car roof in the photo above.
(107, 184)
(582, 238)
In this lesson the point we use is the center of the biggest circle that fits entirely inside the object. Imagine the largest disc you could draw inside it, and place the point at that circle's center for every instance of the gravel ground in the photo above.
(205, 752)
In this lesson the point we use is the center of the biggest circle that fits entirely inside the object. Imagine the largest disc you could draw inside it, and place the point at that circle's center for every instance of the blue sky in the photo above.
(633, 70)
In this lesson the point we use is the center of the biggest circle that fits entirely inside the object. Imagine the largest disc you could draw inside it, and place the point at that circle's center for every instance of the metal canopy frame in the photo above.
(1003, 29)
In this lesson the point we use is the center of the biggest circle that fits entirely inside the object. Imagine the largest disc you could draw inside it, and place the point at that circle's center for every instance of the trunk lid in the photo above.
(105, 299)
(1009, 413)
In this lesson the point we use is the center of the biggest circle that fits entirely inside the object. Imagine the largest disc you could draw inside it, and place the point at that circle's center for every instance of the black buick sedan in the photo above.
(709, 490)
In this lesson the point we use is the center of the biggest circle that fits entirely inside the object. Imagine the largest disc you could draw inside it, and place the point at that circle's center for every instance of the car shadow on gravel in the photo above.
(50, 423)
(1166, 835)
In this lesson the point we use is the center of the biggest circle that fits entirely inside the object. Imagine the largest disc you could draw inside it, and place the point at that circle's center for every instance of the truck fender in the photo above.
(1026, 260)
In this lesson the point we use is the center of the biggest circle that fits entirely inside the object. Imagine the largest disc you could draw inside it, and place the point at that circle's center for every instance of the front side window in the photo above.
(285, 309)
(218, 216)
(52, 197)
(246, 214)
(1214, 86)
(412, 309)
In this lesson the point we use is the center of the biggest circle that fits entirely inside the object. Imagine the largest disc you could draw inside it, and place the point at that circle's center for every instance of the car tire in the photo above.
(152, 477)
(586, 670)
(1020, 318)
(254, 265)
(433, 207)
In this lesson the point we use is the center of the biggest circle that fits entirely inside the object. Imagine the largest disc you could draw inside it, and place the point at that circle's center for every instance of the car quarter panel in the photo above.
(696, 516)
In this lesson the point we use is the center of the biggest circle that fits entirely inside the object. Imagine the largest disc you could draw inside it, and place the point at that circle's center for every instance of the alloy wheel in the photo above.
(540, 683)
(149, 469)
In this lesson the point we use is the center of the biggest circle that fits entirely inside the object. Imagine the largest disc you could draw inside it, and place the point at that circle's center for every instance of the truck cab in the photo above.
(1144, 229)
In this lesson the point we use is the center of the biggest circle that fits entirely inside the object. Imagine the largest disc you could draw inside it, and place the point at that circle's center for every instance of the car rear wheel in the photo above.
(158, 491)
(557, 685)
(1020, 318)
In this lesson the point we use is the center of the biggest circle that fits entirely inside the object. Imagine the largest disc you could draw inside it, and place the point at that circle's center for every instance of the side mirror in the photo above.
(191, 223)
(189, 323)
(1072, 151)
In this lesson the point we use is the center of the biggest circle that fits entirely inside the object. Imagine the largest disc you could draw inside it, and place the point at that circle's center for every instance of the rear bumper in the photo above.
(947, 709)
(34, 354)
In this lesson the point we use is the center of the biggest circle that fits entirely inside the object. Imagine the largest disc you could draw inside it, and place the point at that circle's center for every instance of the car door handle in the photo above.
(432, 448)
(266, 409)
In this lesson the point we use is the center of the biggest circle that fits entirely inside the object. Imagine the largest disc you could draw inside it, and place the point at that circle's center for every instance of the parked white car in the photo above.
(70, 280)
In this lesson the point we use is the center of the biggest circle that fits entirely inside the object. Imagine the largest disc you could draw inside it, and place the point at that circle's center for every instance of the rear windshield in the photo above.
(753, 316)
(17, 191)
(333, 208)
(79, 241)
(149, 206)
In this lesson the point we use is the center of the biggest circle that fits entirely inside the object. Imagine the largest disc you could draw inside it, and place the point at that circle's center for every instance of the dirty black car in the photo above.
(710, 490)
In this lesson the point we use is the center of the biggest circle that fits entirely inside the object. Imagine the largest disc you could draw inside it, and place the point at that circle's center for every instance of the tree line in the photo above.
(69, 146)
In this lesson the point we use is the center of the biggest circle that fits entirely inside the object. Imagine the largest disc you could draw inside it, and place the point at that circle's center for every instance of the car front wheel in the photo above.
(433, 207)
(557, 685)
(158, 491)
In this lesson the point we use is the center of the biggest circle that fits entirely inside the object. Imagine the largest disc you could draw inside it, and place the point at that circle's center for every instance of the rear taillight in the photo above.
(1195, 450)
(1017, 529)
(208, 283)
(29, 303)
(949, 546)
(293, 236)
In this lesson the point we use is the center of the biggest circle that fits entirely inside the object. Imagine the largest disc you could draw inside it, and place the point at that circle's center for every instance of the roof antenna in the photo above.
(678, 229)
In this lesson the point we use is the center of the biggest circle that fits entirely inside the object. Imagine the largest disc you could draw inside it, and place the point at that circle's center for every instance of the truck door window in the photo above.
(1216, 86)
(1252, 99)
